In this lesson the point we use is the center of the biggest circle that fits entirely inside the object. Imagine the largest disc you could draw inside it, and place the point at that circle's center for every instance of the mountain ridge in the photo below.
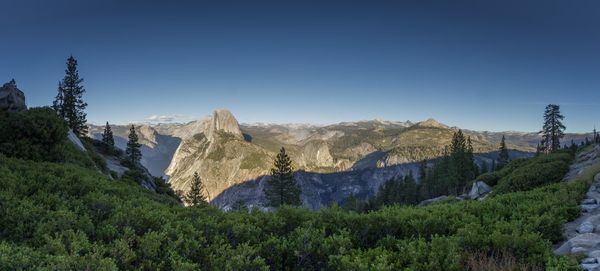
(226, 153)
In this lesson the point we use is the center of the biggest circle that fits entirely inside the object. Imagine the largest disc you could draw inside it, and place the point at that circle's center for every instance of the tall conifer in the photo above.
(195, 196)
(282, 188)
(69, 102)
(133, 151)
(107, 137)
(503, 157)
(553, 129)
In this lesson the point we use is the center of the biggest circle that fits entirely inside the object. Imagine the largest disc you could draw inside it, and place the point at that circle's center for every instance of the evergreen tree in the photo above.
(503, 157)
(484, 167)
(423, 180)
(409, 191)
(351, 203)
(282, 188)
(195, 196)
(574, 146)
(461, 166)
(423, 171)
(538, 150)
(107, 137)
(69, 102)
(553, 129)
(133, 151)
(596, 136)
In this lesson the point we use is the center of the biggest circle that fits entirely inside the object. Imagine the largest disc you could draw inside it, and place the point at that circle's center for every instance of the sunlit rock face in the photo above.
(11, 98)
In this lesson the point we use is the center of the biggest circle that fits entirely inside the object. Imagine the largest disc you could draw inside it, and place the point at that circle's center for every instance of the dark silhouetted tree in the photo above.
(69, 102)
(195, 196)
(107, 137)
(553, 129)
(134, 154)
(282, 188)
(503, 157)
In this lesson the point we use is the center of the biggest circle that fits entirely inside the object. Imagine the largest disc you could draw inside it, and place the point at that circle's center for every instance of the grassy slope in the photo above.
(61, 217)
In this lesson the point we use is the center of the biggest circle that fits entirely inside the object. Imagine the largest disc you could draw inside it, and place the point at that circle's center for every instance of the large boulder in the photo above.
(479, 189)
(11, 98)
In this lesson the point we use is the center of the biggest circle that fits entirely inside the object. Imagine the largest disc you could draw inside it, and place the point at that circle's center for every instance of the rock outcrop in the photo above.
(75, 141)
(583, 234)
(479, 190)
(11, 98)
(220, 155)
(223, 120)
(157, 148)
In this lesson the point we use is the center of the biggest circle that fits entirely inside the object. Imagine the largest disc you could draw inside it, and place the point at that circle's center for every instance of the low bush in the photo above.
(535, 172)
(61, 216)
(35, 134)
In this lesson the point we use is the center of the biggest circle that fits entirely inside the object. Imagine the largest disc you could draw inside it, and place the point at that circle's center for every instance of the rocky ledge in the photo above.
(584, 233)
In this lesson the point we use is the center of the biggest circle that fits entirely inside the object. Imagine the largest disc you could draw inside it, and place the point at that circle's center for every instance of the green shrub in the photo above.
(535, 172)
(67, 217)
(35, 134)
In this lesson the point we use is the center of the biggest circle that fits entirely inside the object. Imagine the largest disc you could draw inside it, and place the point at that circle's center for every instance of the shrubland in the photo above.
(61, 215)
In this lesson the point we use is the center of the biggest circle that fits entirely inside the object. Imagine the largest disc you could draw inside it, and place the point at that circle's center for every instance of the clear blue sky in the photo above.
(485, 65)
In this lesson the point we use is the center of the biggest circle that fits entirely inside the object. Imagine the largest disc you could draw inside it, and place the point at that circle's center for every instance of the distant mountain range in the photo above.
(332, 160)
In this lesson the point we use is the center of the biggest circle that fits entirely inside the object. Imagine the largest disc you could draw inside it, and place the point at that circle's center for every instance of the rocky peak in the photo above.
(11, 98)
(431, 123)
(223, 120)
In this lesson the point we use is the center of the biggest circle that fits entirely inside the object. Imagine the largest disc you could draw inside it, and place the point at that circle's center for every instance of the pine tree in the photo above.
(538, 150)
(553, 129)
(503, 157)
(107, 137)
(484, 167)
(461, 166)
(423, 171)
(133, 151)
(351, 203)
(574, 146)
(69, 102)
(195, 196)
(282, 188)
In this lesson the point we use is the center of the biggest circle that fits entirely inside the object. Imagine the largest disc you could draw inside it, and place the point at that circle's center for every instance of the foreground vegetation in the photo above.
(63, 216)
(59, 211)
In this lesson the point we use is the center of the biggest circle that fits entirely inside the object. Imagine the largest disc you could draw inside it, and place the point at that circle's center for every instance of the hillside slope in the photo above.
(65, 217)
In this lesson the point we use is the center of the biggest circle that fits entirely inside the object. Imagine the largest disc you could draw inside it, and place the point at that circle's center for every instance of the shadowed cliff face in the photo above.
(323, 189)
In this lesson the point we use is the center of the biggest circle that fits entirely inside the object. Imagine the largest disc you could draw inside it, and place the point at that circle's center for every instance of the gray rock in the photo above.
(584, 243)
(589, 207)
(585, 227)
(594, 254)
(579, 250)
(589, 201)
(589, 261)
(75, 140)
(223, 120)
(11, 98)
(479, 189)
(591, 267)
